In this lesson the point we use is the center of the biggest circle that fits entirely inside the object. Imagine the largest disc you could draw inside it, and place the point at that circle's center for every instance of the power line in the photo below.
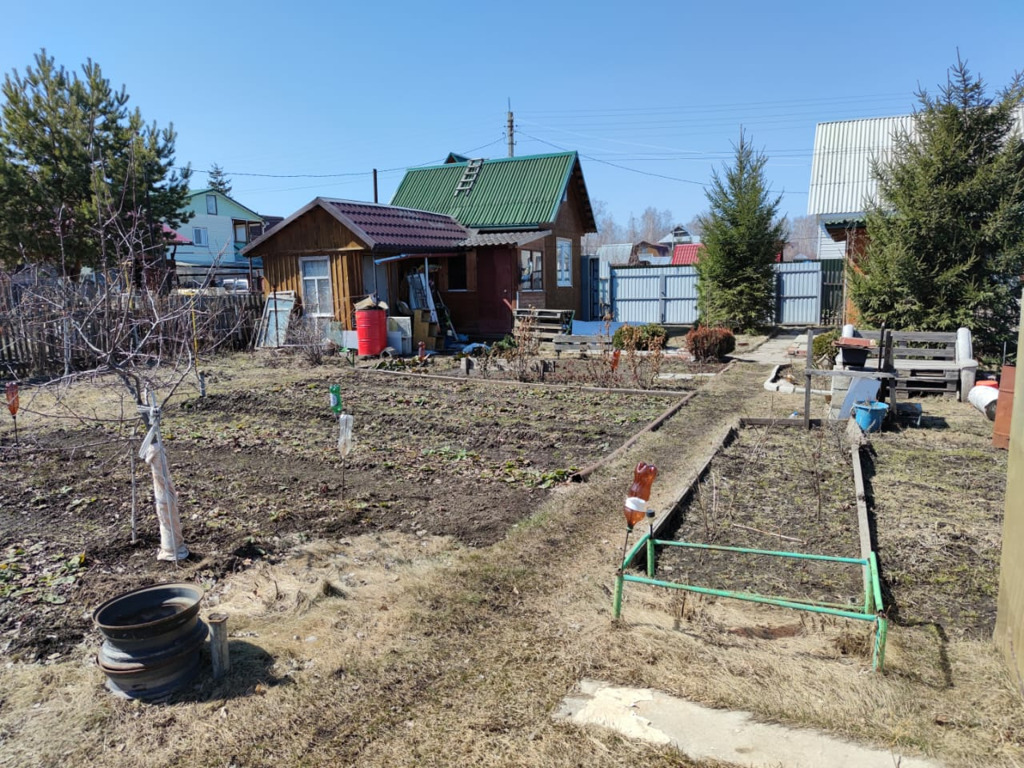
(344, 174)
(616, 165)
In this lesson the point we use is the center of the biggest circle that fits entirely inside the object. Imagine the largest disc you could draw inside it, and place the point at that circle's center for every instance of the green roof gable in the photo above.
(507, 193)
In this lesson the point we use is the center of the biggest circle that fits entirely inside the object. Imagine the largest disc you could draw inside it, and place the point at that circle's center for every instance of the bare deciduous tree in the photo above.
(803, 238)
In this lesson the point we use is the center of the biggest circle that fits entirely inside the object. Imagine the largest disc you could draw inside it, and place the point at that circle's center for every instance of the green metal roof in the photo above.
(507, 193)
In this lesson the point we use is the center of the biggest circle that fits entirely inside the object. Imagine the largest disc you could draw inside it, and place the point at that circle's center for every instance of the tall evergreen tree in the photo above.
(741, 236)
(946, 237)
(218, 180)
(83, 180)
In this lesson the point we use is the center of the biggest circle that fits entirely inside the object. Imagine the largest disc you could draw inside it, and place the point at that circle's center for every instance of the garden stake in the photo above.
(625, 544)
(12, 406)
(131, 456)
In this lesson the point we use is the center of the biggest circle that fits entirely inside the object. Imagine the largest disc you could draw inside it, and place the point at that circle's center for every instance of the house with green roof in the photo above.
(526, 216)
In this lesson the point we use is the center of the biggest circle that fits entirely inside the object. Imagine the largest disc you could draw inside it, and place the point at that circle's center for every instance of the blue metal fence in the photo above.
(668, 295)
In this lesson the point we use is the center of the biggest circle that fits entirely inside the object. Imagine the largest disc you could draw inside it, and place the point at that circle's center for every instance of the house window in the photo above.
(241, 232)
(211, 205)
(457, 273)
(531, 270)
(316, 287)
(565, 261)
(200, 238)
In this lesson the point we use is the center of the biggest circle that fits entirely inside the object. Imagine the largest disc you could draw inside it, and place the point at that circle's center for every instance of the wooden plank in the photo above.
(853, 373)
(863, 522)
(929, 365)
(921, 337)
(748, 421)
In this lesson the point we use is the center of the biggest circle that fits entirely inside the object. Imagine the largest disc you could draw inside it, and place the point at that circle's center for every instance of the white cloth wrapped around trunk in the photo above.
(172, 542)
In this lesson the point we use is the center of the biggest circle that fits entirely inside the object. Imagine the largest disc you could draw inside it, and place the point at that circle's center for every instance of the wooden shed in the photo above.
(333, 253)
(535, 209)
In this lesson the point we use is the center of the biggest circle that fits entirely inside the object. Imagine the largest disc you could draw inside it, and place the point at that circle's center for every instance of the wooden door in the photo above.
(496, 284)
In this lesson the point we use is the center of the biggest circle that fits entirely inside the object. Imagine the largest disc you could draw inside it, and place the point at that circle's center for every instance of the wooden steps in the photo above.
(546, 323)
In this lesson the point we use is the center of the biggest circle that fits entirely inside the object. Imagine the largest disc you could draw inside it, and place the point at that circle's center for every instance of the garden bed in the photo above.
(779, 489)
(257, 471)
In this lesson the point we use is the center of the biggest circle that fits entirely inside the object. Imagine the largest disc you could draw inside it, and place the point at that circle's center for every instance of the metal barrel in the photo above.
(152, 638)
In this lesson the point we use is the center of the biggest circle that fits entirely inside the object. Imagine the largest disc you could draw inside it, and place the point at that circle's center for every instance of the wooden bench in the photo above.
(581, 344)
(928, 362)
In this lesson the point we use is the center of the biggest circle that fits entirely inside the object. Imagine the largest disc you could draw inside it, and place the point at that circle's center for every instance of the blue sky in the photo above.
(652, 94)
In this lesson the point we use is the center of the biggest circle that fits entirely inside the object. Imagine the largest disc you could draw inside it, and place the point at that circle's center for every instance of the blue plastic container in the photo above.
(869, 415)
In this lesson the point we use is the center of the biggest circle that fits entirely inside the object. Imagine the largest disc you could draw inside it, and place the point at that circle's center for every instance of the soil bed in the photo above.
(937, 489)
(771, 483)
(257, 471)
(669, 371)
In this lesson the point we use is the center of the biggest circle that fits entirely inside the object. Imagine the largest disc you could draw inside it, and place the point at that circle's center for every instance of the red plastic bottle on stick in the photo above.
(639, 493)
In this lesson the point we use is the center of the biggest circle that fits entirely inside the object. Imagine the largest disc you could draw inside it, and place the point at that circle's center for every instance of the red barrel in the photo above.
(371, 331)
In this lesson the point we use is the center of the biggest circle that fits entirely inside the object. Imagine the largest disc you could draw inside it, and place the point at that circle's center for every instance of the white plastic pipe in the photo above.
(984, 399)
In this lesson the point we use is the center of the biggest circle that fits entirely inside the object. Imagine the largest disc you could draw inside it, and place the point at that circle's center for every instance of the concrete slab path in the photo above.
(777, 350)
(703, 733)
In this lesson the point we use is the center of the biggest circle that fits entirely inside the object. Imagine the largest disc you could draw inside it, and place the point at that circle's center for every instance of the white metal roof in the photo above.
(841, 178)
(615, 253)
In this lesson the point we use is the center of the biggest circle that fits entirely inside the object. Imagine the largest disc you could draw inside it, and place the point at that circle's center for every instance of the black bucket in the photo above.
(152, 638)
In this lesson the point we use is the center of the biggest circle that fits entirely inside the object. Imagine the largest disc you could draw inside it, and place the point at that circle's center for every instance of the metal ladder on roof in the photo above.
(469, 176)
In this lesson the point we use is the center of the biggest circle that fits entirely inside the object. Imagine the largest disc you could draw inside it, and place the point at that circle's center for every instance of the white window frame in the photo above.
(244, 225)
(211, 203)
(564, 262)
(306, 308)
(200, 237)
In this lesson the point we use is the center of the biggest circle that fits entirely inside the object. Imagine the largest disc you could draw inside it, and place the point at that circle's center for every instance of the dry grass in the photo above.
(398, 650)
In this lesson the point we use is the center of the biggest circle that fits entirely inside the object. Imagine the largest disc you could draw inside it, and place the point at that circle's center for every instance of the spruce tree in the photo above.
(84, 181)
(218, 181)
(946, 237)
(741, 237)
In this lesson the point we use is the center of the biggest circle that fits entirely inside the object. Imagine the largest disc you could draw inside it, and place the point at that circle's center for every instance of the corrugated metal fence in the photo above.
(668, 295)
(798, 293)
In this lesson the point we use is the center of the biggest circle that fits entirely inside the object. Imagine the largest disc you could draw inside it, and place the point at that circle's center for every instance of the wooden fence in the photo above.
(41, 336)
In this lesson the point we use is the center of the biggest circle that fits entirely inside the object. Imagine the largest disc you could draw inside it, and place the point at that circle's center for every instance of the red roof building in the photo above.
(686, 255)
(689, 254)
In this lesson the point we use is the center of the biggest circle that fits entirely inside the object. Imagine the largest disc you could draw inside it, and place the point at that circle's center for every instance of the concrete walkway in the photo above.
(787, 346)
(702, 733)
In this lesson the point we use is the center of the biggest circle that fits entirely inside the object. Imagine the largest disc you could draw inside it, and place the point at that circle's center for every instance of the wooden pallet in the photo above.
(547, 324)
(581, 345)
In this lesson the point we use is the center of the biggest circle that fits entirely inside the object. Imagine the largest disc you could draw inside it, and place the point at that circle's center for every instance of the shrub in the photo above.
(710, 343)
(642, 337)
(825, 346)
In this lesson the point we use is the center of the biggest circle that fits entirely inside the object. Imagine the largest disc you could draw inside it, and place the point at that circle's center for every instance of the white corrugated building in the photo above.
(842, 183)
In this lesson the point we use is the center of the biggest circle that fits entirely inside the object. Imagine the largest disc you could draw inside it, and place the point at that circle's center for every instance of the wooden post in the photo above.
(807, 383)
(219, 645)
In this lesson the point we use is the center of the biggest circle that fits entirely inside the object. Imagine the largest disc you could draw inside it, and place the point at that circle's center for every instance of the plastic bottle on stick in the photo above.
(639, 493)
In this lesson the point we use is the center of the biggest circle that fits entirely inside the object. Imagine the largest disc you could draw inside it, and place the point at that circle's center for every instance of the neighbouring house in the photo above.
(214, 238)
(334, 253)
(843, 185)
(527, 216)
(615, 254)
(679, 235)
(650, 254)
(686, 254)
